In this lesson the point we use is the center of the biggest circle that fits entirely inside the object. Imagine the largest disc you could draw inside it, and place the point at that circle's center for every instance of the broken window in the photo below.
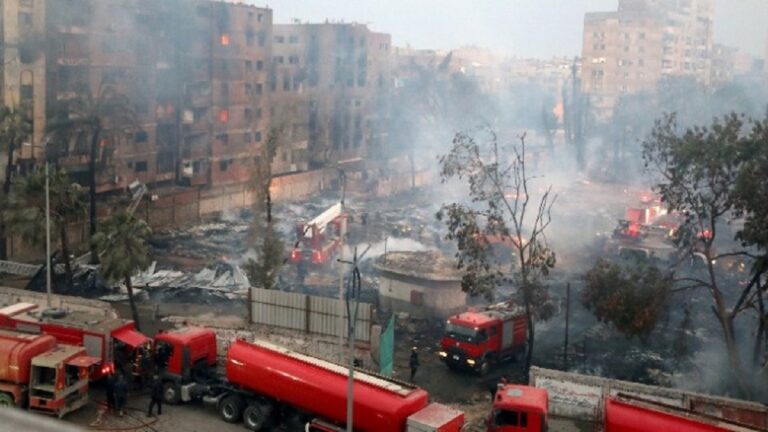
(140, 166)
(140, 137)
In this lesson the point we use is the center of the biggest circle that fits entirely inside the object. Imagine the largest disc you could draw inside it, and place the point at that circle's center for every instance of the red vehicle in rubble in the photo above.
(476, 340)
(107, 338)
(264, 383)
(41, 375)
(519, 408)
(318, 240)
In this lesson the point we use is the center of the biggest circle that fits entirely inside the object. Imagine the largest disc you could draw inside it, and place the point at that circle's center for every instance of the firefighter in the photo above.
(156, 396)
(110, 391)
(413, 362)
(497, 386)
(121, 394)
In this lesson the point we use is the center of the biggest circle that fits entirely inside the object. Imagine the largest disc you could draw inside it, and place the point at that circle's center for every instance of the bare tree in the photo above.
(500, 210)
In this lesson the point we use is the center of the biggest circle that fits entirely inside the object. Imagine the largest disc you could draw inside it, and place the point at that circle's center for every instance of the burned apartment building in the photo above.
(629, 50)
(187, 68)
(341, 74)
(207, 81)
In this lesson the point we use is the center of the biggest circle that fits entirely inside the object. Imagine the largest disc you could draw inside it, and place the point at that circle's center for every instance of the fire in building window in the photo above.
(225, 39)
(224, 116)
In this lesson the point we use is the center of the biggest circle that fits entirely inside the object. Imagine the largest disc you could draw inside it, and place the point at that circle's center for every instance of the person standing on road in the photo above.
(110, 391)
(156, 396)
(121, 394)
(413, 363)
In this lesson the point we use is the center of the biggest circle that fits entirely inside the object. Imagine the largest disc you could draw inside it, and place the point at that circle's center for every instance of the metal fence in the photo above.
(310, 314)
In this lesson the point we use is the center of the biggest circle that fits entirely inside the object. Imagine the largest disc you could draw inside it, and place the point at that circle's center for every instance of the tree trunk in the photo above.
(6, 192)
(759, 342)
(65, 254)
(268, 200)
(726, 322)
(132, 301)
(92, 192)
(531, 337)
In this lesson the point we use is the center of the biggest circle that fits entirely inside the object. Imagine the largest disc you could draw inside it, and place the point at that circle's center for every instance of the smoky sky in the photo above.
(528, 28)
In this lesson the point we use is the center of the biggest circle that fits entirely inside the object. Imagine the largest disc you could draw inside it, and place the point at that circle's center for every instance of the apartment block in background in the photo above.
(629, 50)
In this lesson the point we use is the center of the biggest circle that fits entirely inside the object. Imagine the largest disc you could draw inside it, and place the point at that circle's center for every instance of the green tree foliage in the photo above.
(67, 205)
(265, 268)
(123, 241)
(499, 206)
(632, 299)
(90, 121)
(700, 170)
(15, 126)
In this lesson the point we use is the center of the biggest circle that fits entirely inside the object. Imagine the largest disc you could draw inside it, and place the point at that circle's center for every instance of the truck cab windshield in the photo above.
(465, 334)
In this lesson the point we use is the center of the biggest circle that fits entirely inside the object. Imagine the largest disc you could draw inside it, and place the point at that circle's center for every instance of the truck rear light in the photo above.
(295, 255)
(317, 257)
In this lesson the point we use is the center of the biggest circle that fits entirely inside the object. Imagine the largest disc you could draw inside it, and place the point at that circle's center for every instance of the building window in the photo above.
(140, 137)
(248, 89)
(224, 116)
(257, 136)
(417, 298)
(279, 39)
(27, 3)
(293, 39)
(262, 39)
(248, 66)
(248, 113)
(225, 90)
(258, 113)
(26, 92)
(258, 89)
(279, 60)
(223, 139)
(250, 38)
(259, 65)
(140, 166)
(224, 39)
(247, 137)
(260, 17)
(286, 83)
(25, 19)
(224, 164)
(293, 60)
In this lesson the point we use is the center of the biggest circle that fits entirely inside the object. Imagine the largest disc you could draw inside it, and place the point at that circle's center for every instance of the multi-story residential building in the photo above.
(344, 72)
(629, 50)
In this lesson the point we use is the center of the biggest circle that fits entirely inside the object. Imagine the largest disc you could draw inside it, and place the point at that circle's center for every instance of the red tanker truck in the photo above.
(41, 375)
(519, 408)
(264, 383)
(477, 340)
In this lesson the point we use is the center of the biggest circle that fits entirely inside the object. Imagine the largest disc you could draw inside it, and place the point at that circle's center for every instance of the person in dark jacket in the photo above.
(413, 362)
(156, 396)
(121, 394)
(110, 392)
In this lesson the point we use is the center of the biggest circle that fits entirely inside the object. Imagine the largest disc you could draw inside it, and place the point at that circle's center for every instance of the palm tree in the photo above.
(66, 203)
(15, 125)
(93, 118)
(123, 240)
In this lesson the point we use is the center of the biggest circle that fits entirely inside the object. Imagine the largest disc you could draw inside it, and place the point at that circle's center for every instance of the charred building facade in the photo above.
(206, 81)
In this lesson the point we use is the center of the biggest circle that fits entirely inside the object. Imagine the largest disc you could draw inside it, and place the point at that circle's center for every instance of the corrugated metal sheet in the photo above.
(312, 314)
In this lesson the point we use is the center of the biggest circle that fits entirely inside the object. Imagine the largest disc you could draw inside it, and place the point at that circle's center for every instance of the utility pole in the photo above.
(342, 235)
(567, 319)
(352, 303)
(47, 238)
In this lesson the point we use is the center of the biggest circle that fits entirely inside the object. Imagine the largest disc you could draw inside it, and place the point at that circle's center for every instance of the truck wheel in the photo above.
(6, 400)
(231, 408)
(171, 393)
(257, 416)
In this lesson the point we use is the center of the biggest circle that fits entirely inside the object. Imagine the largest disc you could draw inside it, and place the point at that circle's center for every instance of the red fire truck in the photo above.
(318, 240)
(264, 382)
(518, 408)
(103, 337)
(38, 373)
(476, 340)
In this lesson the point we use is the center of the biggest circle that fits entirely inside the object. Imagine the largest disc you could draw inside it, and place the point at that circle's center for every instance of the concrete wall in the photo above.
(440, 299)
(10, 296)
(579, 397)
